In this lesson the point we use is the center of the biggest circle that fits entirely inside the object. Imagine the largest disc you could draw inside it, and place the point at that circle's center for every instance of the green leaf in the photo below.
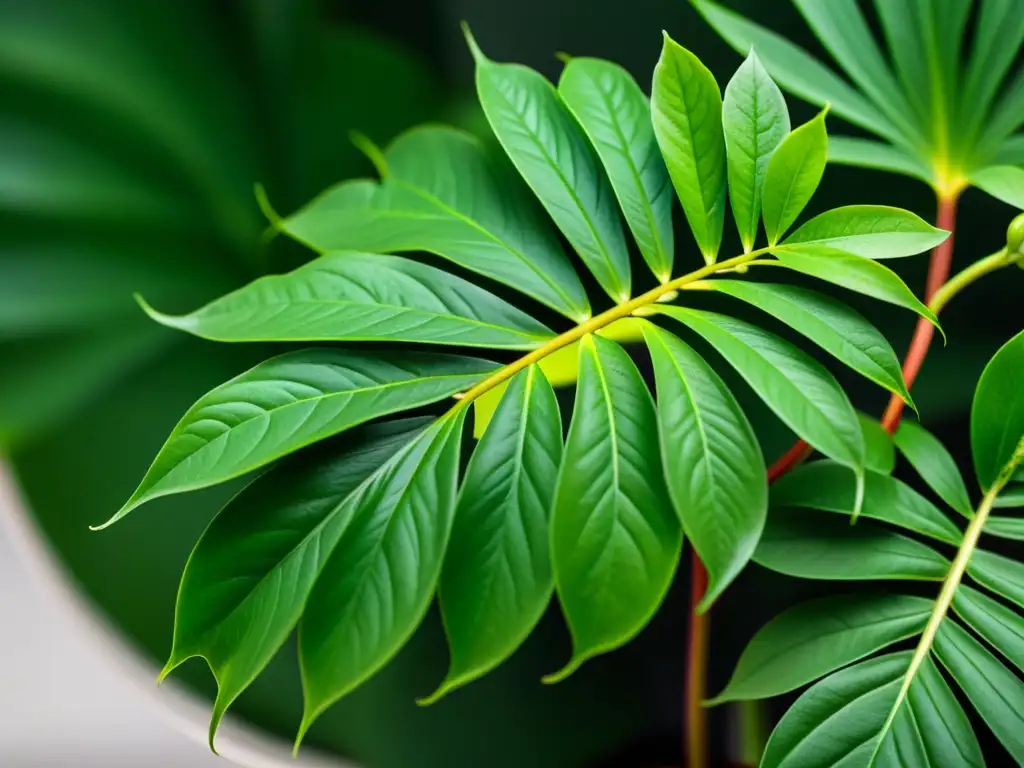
(1000, 626)
(1011, 498)
(997, 40)
(292, 401)
(686, 107)
(363, 297)
(1003, 182)
(935, 465)
(999, 574)
(793, 174)
(1006, 117)
(902, 28)
(497, 580)
(616, 116)
(1005, 527)
(839, 330)
(377, 584)
(871, 231)
(855, 273)
(713, 463)
(246, 582)
(801, 392)
(997, 415)
(615, 541)
(995, 691)
(445, 195)
(865, 153)
(756, 120)
(551, 151)
(1011, 151)
(810, 545)
(819, 636)
(881, 453)
(830, 487)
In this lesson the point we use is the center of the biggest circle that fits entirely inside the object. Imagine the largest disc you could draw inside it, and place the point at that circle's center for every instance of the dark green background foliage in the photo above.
(130, 138)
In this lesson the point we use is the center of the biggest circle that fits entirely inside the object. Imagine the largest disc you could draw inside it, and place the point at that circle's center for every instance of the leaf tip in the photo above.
(474, 48)
(373, 153)
(263, 203)
(556, 677)
(447, 686)
(563, 57)
(178, 322)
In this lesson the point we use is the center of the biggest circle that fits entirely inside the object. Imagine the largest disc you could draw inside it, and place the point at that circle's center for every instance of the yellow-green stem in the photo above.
(977, 270)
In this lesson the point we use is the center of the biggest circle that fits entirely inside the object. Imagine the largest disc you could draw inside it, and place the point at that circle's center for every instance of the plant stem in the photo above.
(695, 729)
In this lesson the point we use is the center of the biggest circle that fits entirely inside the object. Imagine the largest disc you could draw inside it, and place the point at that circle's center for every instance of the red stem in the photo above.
(695, 732)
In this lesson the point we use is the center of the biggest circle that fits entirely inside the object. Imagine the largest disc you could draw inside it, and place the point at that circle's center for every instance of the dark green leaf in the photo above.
(1002, 627)
(934, 464)
(997, 40)
(903, 34)
(1000, 574)
(1003, 182)
(881, 453)
(793, 174)
(997, 415)
(871, 231)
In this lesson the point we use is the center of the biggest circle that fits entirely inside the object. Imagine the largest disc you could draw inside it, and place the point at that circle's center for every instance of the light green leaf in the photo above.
(363, 297)
(902, 28)
(881, 453)
(997, 415)
(1005, 527)
(1003, 182)
(615, 541)
(810, 545)
(246, 582)
(855, 273)
(616, 117)
(497, 580)
(1008, 114)
(995, 691)
(377, 584)
(551, 151)
(801, 392)
(1002, 627)
(819, 636)
(1011, 151)
(865, 153)
(830, 487)
(935, 465)
(793, 174)
(756, 120)
(999, 574)
(1011, 498)
(839, 330)
(997, 40)
(445, 195)
(686, 107)
(871, 231)
(292, 401)
(713, 463)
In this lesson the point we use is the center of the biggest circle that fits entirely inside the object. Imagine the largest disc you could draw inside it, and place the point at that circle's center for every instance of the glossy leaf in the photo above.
(756, 120)
(292, 401)
(616, 117)
(1011, 498)
(246, 582)
(615, 541)
(378, 582)
(551, 151)
(1005, 527)
(830, 487)
(686, 107)
(363, 297)
(997, 415)
(839, 330)
(865, 153)
(855, 273)
(1000, 626)
(999, 574)
(713, 463)
(934, 464)
(445, 195)
(793, 174)
(997, 39)
(871, 231)
(1003, 182)
(881, 453)
(819, 636)
(497, 580)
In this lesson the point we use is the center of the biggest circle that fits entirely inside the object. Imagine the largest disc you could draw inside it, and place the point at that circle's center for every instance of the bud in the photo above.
(1015, 240)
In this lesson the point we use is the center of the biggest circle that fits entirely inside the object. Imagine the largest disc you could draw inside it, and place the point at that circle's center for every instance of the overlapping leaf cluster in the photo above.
(350, 539)
(898, 709)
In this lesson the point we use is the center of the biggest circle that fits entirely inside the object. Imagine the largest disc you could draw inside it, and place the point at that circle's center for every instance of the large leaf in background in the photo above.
(997, 416)
(292, 401)
(871, 231)
(246, 582)
(1004, 182)
(553, 154)
(377, 584)
(935, 465)
(363, 297)
(616, 117)
(444, 194)
(793, 174)
(615, 542)
(713, 463)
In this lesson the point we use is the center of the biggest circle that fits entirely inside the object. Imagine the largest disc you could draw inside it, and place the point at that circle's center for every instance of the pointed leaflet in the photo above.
(855, 273)
(686, 107)
(902, 30)
(614, 540)
(997, 40)
(552, 153)
(291, 401)
(999, 574)
(880, 453)
(497, 581)
(997, 415)
(1006, 527)
(1003, 182)
(865, 153)
(756, 120)
(444, 194)
(819, 636)
(839, 330)
(713, 463)
(247, 580)
(1002, 627)
(1011, 498)
(862, 716)
(377, 584)
(363, 297)
(934, 464)
(801, 392)
(615, 115)
(793, 174)
(871, 231)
